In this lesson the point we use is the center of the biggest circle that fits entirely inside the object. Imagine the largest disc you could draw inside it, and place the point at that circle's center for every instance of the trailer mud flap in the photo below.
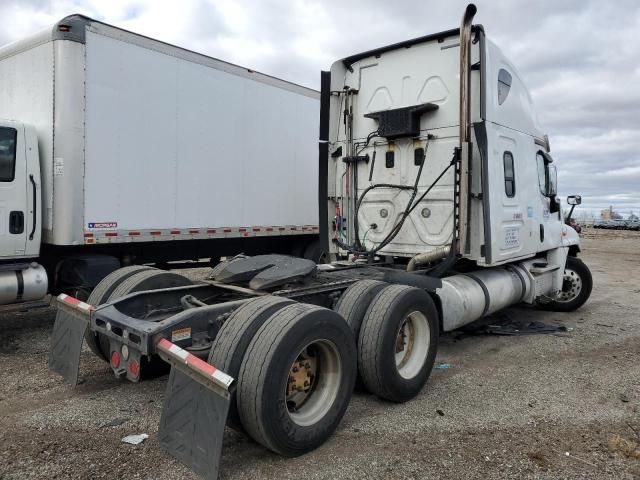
(72, 321)
(195, 410)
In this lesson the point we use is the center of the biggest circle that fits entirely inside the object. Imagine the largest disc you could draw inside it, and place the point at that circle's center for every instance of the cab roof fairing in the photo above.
(517, 112)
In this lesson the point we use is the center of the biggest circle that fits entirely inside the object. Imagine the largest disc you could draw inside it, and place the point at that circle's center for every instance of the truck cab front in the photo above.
(21, 280)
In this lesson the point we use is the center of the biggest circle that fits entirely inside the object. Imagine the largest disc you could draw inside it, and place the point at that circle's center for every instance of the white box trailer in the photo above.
(147, 152)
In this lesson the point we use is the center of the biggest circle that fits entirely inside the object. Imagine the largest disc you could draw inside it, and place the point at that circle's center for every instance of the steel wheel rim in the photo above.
(412, 344)
(320, 366)
(571, 286)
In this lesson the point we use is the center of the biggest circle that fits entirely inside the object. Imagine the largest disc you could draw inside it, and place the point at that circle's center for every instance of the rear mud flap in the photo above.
(192, 424)
(72, 321)
(195, 410)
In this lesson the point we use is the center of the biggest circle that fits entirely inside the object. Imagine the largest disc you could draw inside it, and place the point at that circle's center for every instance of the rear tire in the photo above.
(140, 281)
(296, 379)
(576, 287)
(233, 339)
(101, 293)
(314, 252)
(355, 301)
(353, 305)
(149, 280)
(398, 342)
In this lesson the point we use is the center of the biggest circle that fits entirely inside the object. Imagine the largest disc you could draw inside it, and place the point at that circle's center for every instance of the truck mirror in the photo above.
(574, 199)
(553, 181)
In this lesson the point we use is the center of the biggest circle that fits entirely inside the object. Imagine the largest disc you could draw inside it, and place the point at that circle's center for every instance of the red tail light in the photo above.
(115, 359)
(134, 368)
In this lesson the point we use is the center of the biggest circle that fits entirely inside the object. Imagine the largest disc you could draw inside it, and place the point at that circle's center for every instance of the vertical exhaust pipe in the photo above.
(465, 37)
(465, 150)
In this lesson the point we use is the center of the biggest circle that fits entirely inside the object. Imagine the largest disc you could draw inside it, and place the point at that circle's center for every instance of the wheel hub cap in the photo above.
(571, 286)
(313, 382)
(412, 344)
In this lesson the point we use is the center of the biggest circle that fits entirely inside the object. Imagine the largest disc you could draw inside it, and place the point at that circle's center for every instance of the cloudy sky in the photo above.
(580, 58)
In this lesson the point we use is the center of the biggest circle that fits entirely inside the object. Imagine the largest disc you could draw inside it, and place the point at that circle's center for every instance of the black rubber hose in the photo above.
(410, 207)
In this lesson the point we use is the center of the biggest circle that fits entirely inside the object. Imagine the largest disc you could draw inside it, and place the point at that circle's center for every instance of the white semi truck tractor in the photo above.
(117, 149)
(438, 206)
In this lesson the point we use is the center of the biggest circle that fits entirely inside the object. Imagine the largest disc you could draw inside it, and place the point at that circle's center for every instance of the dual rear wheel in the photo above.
(397, 330)
(295, 367)
(121, 282)
(296, 364)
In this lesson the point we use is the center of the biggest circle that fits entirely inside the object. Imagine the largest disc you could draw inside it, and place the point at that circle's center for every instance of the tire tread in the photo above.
(252, 373)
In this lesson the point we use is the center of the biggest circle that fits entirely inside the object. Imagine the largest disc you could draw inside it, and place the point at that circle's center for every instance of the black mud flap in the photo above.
(72, 321)
(195, 410)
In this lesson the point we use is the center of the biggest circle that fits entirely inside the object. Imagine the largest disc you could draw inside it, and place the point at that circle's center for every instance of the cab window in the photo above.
(509, 175)
(504, 85)
(8, 137)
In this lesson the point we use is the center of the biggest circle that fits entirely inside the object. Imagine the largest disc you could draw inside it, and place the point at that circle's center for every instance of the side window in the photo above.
(504, 85)
(8, 137)
(542, 174)
(509, 175)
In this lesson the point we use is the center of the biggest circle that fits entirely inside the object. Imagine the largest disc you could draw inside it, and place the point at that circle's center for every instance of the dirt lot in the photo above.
(563, 405)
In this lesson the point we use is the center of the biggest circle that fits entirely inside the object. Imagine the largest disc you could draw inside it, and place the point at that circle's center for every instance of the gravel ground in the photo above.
(563, 405)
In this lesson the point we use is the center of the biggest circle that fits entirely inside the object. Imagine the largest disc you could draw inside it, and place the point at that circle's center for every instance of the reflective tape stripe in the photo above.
(222, 377)
(195, 363)
(74, 302)
(172, 234)
(179, 351)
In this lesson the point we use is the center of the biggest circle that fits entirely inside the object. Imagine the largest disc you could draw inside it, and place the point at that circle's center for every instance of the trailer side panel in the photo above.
(175, 144)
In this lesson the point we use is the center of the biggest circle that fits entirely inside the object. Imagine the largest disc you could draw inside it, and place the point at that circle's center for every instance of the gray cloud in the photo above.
(578, 57)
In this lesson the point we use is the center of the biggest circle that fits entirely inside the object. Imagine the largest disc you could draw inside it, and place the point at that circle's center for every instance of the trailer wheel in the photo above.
(296, 379)
(229, 347)
(355, 300)
(101, 293)
(576, 287)
(398, 342)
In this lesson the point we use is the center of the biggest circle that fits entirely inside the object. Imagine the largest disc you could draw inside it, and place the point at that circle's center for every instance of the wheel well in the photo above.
(574, 250)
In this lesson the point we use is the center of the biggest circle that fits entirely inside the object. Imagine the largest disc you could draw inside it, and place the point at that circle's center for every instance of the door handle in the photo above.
(16, 222)
(35, 207)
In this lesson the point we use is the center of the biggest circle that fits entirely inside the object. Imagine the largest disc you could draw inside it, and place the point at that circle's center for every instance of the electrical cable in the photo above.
(411, 205)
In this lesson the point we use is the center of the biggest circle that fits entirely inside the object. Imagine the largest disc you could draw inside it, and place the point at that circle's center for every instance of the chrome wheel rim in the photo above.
(412, 344)
(313, 382)
(571, 286)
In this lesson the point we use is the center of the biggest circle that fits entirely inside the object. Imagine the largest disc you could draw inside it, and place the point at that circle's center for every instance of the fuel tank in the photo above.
(22, 284)
(466, 297)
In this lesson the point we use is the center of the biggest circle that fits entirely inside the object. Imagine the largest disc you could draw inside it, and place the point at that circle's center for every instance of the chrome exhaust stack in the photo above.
(464, 133)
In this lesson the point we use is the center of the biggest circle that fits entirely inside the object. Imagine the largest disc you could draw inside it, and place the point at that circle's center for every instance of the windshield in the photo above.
(8, 138)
